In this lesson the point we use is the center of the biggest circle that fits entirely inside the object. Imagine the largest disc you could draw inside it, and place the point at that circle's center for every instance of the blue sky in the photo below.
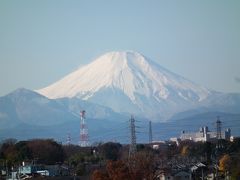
(42, 41)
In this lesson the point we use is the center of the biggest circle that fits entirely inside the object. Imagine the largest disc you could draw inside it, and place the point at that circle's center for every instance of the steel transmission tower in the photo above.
(83, 130)
(132, 148)
(150, 132)
(219, 145)
(68, 139)
(219, 126)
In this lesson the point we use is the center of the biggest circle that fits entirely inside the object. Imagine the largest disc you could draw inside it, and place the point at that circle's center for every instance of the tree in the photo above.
(207, 150)
(185, 150)
(110, 150)
(8, 152)
(142, 165)
(235, 166)
(117, 170)
(46, 151)
(225, 163)
(100, 175)
(23, 151)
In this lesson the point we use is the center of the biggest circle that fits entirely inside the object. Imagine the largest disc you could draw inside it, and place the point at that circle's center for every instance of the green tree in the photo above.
(23, 151)
(8, 152)
(110, 150)
(46, 151)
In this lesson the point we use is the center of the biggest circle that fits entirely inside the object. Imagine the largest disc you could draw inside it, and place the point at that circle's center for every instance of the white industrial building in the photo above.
(204, 135)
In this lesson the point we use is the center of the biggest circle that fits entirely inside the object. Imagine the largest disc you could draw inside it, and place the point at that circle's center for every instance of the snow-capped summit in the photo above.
(129, 82)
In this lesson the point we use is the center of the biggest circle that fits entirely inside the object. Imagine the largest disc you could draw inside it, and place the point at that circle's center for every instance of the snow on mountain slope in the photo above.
(129, 82)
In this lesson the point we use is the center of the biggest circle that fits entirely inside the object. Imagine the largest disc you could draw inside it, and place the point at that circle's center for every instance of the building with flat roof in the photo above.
(204, 135)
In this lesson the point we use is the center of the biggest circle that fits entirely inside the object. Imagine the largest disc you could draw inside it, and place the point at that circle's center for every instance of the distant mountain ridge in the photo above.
(110, 89)
(24, 114)
(29, 107)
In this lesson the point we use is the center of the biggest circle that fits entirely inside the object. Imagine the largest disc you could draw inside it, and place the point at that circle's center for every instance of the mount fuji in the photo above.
(130, 83)
(110, 89)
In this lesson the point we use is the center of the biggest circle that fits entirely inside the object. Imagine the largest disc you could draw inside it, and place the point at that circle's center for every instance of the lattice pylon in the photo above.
(83, 130)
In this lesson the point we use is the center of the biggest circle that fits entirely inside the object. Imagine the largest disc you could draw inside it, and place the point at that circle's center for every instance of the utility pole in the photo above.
(150, 132)
(132, 148)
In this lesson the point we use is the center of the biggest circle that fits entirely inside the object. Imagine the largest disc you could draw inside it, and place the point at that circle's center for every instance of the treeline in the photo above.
(112, 160)
(79, 160)
(13, 153)
(147, 161)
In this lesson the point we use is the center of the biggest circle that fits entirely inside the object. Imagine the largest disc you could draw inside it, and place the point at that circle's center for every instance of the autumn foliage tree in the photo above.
(140, 166)
(225, 163)
(100, 175)
(185, 150)
(117, 170)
